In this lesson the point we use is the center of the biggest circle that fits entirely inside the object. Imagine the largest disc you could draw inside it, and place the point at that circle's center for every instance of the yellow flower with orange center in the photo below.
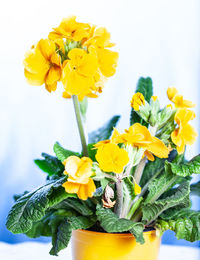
(79, 171)
(185, 133)
(70, 29)
(137, 101)
(79, 72)
(43, 65)
(111, 158)
(139, 136)
(177, 99)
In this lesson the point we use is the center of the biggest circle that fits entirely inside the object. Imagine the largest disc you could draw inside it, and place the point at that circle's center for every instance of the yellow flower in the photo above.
(177, 99)
(154, 98)
(79, 171)
(139, 136)
(111, 158)
(185, 133)
(115, 139)
(43, 65)
(79, 73)
(70, 29)
(137, 188)
(137, 101)
(107, 59)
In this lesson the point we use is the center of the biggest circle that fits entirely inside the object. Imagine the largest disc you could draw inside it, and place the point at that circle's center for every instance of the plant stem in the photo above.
(134, 208)
(139, 170)
(80, 124)
(119, 202)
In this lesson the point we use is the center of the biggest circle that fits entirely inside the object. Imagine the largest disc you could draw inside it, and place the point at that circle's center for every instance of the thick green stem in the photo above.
(139, 170)
(80, 124)
(119, 202)
(134, 208)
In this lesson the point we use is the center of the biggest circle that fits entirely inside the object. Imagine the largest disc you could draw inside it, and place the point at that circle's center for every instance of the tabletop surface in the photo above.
(37, 251)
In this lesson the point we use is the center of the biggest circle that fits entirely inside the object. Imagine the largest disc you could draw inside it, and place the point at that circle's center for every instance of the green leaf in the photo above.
(195, 189)
(61, 235)
(104, 132)
(40, 228)
(83, 107)
(129, 187)
(92, 152)
(151, 211)
(187, 168)
(62, 230)
(160, 185)
(186, 225)
(50, 165)
(144, 86)
(81, 222)
(111, 223)
(31, 207)
(77, 205)
(137, 231)
(62, 153)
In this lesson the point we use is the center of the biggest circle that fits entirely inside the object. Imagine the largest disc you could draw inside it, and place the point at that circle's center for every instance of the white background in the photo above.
(157, 38)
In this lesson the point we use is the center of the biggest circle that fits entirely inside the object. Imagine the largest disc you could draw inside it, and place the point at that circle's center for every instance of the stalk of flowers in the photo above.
(79, 55)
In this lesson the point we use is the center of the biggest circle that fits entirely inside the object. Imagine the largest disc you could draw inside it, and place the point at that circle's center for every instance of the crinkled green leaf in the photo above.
(81, 222)
(144, 86)
(104, 132)
(186, 225)
(151, 211)
(78, 205)
(62, 153)
(50, 165)
(111, 223)
(195, 189)
(187, 168)
(128, 186)
(61, 235)
(31, 207)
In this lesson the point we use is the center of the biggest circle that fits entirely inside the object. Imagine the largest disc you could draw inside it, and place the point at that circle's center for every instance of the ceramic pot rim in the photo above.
(95, 233)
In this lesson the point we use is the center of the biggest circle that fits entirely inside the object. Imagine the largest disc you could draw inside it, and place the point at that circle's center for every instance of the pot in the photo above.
(89, 245)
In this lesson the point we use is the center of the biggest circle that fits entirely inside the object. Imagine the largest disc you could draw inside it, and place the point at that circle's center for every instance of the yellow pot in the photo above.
(89, 245)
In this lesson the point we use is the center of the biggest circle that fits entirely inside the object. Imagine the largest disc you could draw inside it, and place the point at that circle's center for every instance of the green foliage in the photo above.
(61, 236)
(104, 132)
(92, 152)
(111, 223)
(31, 207)
(187, 168)
(195, 189)
(129, 188)
(50, 165)
(62, 230)
(144, 86)
(186, 225)
(78, 205)
(81, 222)
(151, 211)
(62, 153)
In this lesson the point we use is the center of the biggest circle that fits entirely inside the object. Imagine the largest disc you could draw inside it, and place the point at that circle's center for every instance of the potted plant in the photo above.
(123, 190)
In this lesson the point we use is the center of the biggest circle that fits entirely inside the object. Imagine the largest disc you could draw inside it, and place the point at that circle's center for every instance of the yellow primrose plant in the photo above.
(129, 181)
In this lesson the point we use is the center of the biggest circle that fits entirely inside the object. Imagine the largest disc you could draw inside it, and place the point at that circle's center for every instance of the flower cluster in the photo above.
(75, 53)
